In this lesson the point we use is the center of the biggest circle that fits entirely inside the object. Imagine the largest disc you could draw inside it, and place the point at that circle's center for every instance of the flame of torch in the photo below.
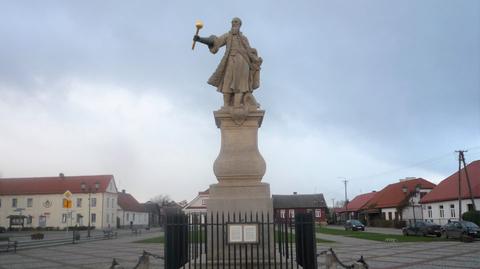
(199, 25)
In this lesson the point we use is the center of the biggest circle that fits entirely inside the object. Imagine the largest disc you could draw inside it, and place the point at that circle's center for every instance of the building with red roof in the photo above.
(130, 212)
(353, 210)
(442, 203)
(39, 200)
(398, 201)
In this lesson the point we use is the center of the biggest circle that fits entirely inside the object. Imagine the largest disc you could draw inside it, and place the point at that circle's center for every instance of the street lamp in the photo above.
(89, 190)
(411, 202)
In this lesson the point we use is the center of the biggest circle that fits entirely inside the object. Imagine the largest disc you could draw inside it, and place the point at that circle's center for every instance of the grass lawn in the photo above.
(377, 236)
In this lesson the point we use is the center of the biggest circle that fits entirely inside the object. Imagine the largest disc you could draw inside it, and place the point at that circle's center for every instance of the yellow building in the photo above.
(40, 201)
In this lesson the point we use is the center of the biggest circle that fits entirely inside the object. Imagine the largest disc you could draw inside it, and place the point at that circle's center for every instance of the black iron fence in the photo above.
(239, 240)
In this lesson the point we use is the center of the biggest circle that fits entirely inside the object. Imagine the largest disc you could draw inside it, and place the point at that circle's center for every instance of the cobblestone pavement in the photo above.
(99, 254)
(426, 255)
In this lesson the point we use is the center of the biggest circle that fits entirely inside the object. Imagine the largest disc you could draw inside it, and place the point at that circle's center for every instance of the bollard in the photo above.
(143, 262)
(330, 261)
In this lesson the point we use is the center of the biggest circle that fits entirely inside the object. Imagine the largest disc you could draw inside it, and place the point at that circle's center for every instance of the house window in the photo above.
(0, 203)
(203, 202)
(94, 217)
(128, 216)
(430, 214)
(133, 216)
(29, 202)
(396, 215)
(79, 202)
(282, 213)
(452, 210)
(291, 213)
(442, 213)
(113, 202)
(390, 215)
(14, 202)
(470, 207)
(93, 202)
(29, 219)
(384, 215)
(64, 218)
(318, 213)
(108, 218)
(108, 202)
(79, 218)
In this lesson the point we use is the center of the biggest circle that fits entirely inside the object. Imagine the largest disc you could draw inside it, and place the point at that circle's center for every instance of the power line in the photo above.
(430, 160)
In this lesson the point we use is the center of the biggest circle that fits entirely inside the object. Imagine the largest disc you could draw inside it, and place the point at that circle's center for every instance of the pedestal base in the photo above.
(241, 197)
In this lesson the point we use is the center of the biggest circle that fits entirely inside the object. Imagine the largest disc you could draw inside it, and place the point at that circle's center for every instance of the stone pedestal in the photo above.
(239, 169)
(239, 159)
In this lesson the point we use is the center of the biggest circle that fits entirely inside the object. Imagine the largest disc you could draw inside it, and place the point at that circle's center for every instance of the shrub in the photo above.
(473, 216)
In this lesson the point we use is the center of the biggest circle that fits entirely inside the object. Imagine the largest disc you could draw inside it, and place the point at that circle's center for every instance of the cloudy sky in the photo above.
(371, 91)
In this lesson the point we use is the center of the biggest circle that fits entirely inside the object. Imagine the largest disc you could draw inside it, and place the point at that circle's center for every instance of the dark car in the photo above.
(422, 228)
(354, 225)
(460, 229)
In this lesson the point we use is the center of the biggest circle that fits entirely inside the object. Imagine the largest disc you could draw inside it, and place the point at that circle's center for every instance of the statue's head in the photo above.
(236, 23)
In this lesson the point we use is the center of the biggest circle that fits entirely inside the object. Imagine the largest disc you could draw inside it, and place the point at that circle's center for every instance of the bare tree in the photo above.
(162, 200)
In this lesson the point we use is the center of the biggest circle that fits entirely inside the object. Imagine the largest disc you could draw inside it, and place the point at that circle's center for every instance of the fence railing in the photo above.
(26, 241)
(220, 241)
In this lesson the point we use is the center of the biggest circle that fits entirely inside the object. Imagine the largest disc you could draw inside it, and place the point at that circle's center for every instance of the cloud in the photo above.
(350, 89)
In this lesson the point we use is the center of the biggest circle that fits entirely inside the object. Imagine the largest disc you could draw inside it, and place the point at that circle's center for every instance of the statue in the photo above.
(238, 74)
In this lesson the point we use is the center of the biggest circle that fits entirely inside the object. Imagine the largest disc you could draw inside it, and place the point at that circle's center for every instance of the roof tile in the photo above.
(447, 189)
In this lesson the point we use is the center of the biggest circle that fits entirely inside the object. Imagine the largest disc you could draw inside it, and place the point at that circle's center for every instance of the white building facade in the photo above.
(198, 204)
(131, 214)
(40, 201)
(442, 203)
(442, 212)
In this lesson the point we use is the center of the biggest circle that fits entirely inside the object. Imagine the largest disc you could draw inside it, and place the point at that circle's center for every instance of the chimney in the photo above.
(406, 178)
(123, 191)
(294, 193)
(61, 175)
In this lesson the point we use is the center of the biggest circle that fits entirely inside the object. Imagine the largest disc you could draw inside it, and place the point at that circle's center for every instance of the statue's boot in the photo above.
(226, 101)
(237, 99)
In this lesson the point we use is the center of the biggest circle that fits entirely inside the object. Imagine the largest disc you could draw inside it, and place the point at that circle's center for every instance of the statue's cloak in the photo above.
(249, 54)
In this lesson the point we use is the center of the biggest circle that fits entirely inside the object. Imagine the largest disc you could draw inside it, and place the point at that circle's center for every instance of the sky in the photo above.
(369, 91)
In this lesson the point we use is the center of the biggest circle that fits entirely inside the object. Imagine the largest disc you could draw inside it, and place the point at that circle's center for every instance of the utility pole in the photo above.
(459, 186)
(334, 215)
(347, 216)
(346, 199)
(461, 159)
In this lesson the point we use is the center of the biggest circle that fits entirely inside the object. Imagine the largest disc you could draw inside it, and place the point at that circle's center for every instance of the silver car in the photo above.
(460, 229)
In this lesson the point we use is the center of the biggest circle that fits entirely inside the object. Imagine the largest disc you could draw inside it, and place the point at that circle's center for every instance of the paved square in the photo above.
(99, 254)
(428, 255)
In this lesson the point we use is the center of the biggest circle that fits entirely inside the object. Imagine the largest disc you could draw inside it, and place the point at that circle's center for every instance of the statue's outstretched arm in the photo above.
(209, 41)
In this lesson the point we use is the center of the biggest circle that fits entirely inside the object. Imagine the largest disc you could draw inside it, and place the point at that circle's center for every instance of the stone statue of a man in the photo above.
(238, 74)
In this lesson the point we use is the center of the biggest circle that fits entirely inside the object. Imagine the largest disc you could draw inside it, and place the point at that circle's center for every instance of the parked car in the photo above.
(423, 228)
(354, 225)
(2, 229)
(460, 229)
